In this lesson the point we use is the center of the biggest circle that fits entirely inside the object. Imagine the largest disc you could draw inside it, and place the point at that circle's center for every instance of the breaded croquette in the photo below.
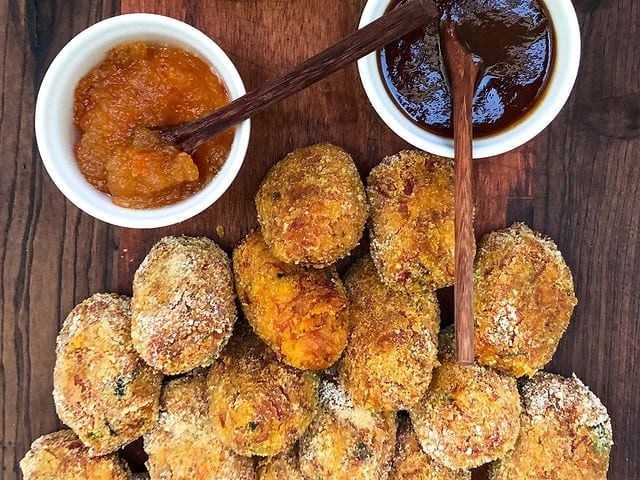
(565, 435)
(102, 388)
(347, 442)
(285, 466)
(411, 463)
(259, 406)
(392, 348)
(524, 299)
(312, 206)
(183, 304)
(412, 213)
(302, 314)
(183, 445)
(470, 414)
(62, 456)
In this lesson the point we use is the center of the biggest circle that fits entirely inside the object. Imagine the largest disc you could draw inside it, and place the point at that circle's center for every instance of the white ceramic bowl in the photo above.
(56, 134)
(559, 86)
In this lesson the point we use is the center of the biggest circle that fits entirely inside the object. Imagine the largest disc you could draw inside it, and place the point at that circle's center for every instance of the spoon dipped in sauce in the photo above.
(463, 71)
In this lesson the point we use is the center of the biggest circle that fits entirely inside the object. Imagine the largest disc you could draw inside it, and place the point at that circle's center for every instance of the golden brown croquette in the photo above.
(392, 348)
(258, 405)
(102, 388)
(411, 463)
(470, 414)
(524, 299)
(302, 314)
(347, 442)
(412, 213)
(183, 445)
(312, 206)
(565, 435)
(62, 456)
(285, 466)
(183, 304)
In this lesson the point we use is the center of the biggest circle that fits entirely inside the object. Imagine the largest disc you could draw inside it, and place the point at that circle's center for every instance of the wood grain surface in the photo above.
(578, 182)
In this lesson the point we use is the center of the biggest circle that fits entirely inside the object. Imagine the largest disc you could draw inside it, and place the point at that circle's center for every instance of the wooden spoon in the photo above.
(463, 70)
(391, 26)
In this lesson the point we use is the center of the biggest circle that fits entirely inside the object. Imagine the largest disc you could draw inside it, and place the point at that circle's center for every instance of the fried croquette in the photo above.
(347, 442)
(285, 466)
(183, 445)
(411, 463)
(183, 304)
(524, 299)
(312, 206)
(412, 220)
(392, 348)
(565, 435)
(470, 414)
(102, 388)
(302, 314)
(259, 406)
(62, 456)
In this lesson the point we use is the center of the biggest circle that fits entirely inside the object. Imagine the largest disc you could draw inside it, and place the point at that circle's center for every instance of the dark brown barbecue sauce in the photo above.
(514, 38)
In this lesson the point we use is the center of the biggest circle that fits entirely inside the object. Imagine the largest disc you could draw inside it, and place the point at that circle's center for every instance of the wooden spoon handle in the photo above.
(463, 73)
(388, 28)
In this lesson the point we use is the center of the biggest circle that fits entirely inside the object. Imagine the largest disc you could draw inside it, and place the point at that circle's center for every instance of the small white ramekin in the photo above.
(563, 76)
(56, 134)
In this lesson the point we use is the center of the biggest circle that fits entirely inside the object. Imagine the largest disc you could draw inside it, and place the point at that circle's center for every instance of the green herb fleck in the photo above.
(601, 437)
(121, 383)
(251, 426)
(362, 452)
(93, 436)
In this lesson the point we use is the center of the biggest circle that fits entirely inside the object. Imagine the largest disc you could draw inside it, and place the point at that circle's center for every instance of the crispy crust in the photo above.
(566, 433)
(259, 406)
(102, 388)
(412, 463)
(346, 442)
(62, 456)
(470, 415)
(285, 466)
(393, 345)
(183, 304)
(412, 213)
(524, 299)
(302, 314)
(312, 206)
(183, 445)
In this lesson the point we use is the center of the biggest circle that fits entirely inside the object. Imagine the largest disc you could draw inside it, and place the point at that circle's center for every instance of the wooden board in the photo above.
(579, 182)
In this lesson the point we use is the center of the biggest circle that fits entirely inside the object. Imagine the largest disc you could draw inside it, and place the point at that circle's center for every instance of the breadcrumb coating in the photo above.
(258, 405)
(183, 445)
(102, 388)
(312, 206)
(183, 304)
(411, 463)
(566, 433)
(347, 442)
(302, 314)
(62, 456)
(392, 348)
(470, 414)
(412, 220)
(285, 466)
(524, 299)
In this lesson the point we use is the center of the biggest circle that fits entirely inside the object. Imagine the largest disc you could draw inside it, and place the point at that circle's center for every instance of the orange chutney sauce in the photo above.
(137, 86)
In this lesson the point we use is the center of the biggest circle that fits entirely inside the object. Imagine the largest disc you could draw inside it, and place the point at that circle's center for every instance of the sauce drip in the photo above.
(140, 85)
(514, 40)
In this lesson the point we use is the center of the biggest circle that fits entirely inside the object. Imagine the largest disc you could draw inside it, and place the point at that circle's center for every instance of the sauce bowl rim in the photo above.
(564, 72)
(56, 137)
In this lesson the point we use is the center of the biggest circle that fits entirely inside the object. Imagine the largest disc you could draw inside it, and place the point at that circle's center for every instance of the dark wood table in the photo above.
(578, 182)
